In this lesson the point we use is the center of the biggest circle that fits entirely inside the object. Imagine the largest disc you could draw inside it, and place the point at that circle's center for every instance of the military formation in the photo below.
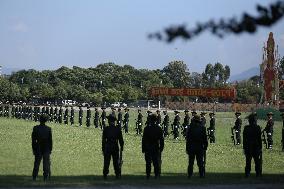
(156, 128)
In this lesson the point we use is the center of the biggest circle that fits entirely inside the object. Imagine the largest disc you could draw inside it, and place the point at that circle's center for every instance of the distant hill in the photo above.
(245, 74)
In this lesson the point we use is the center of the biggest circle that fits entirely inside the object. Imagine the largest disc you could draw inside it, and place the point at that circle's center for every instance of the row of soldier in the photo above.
(61, 115)
(153, 145)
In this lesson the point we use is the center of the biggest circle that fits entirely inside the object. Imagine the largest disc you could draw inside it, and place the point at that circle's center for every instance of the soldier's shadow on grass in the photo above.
(166, 179)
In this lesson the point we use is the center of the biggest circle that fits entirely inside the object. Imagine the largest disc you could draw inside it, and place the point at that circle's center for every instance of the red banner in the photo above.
(198, 92)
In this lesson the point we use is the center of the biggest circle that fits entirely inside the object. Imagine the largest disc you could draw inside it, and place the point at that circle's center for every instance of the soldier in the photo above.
(119, 118)
(88, 118)
(51, 114)
(55, 113)
(113, 111)
(112, 135)
(282, 140)
(139, 123)
(96, 118)
(176, 125)
(66, 115)
(203, 119)
(152, 146)
(1, 110)
(211, 129)
(148, 117)
(252, 145)
(103, 118)
(60, 112)
(269, 129)
(13, 111)
(166, 123)
(80, 116)
(42, 147)
(196, 146)
(237, 127)
(72, 114)
(185, 122)
(126, 120)
(193, 113)
(159, 118)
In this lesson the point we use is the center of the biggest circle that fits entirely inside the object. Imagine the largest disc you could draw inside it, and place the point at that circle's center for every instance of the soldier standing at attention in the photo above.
(119, 118)
(72, 114)
(211, 128)
(176, 125)
(96, 118)
(42, 147)
(88, 117)
(51, 114)
(193, 113)
(80, 116)
(152, 146)
(159, 118)
(252, 145)
(196, 146)
(113, 111)
(166, 123)
(55, 114)
(139, 123)
(66, 116)
(185, 122)
(237, 127)
(269, 129)
(60, 112)
(126, 120)
(203, 119)
(112, 135)
(103, 118)
(148, 117)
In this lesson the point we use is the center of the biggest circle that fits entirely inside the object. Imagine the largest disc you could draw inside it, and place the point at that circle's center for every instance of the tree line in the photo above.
(110, 83)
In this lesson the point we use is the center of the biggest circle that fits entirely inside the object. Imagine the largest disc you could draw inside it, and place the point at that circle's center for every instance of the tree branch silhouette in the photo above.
(267, 16)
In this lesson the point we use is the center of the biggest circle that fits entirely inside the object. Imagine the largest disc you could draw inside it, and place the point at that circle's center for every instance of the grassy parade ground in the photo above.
(77, 158)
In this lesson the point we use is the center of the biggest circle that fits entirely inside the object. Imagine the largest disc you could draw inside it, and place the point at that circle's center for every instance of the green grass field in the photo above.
(77, 158)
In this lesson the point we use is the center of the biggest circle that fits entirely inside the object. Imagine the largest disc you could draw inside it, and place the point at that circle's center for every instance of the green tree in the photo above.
(178, 73)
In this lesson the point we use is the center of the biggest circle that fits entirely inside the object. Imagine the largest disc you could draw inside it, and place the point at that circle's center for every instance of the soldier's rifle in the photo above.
(233, 135)
(264, 139)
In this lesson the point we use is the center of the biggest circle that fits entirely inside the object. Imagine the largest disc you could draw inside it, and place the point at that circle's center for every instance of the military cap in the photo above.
(238, 113)
(111, 118)
(43, 118)
(186, 110)
(211, 113)
(176, 111)
(103, 108)
(139, 110)
(165, 111)
(157, 110)
(203, 113)
(269, 113)
(149, 112)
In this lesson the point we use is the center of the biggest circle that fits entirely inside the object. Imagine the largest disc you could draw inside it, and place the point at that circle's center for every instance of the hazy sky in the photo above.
(49, 34)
